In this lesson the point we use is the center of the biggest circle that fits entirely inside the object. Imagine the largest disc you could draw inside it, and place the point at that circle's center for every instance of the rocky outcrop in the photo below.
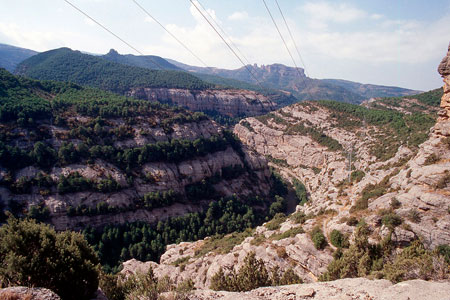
(233, 103)
(191, 260)
(444, 70)
(25, 293)
(344, 289)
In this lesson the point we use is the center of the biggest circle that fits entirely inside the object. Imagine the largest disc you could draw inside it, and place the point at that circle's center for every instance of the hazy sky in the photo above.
(389, 42)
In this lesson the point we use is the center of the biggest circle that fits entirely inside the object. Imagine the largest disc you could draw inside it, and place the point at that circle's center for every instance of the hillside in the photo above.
(142, 61)
(278, 76)
(81, 158)
(11, 56)
(65, 64)
(280, 98)
(173, 87)
(386, 216)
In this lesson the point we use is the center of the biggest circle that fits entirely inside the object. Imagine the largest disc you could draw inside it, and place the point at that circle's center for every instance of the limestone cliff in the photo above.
(232, 103)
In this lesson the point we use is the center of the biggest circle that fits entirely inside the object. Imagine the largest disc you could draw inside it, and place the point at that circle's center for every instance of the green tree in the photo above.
(33, 254)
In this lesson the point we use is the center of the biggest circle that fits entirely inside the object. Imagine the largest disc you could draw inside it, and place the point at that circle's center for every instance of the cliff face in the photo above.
(231, 103)
(108, 159)
(155, 176)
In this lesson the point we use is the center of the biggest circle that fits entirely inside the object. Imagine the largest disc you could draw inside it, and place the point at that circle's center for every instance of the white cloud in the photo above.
(238, 16)
(89, 22)
(32, 39)
(376, 16)
(322, 13)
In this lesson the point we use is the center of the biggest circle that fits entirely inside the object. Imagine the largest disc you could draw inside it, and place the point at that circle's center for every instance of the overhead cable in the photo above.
(282, 38)
(112, 33)
(226, 43)
(292, 38)
(224, 33)
(170, 33)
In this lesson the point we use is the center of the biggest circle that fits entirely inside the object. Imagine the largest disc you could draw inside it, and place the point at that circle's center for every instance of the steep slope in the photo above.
(375, 199)
(11, 56)
(77, 157)
(175, 87)
(278, 76)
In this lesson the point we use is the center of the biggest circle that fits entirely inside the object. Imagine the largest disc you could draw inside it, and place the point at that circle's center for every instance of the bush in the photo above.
(339, 240)
(33, 254)
(318, 238)
(275, 223)
(352, 221)
(391, 220)
(444, 250)
(251, 275)
(414, 215)
(395, 203)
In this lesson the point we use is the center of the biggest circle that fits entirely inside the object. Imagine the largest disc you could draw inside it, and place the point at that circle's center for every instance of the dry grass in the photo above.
(10, 295)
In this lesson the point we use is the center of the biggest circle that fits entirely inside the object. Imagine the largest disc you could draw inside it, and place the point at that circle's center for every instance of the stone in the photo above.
(26, 293)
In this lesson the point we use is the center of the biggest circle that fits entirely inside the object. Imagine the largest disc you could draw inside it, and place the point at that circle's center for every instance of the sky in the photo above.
(386, 42)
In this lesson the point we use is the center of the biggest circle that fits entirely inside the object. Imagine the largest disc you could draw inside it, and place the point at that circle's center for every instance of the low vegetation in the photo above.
(252, 274)
(381, 260)
(33, 254)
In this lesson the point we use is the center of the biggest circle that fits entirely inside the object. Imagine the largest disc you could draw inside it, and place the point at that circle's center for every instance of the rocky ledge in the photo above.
(233, 103)
(344, 289)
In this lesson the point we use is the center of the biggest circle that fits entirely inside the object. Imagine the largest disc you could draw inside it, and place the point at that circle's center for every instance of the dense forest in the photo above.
(65, 64)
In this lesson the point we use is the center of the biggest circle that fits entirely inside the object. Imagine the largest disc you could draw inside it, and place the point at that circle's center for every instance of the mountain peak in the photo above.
(113, 52)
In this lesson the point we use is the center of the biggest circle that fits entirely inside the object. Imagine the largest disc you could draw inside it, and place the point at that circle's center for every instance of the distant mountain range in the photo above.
(275, 78)
(278, 76)
(11, 56)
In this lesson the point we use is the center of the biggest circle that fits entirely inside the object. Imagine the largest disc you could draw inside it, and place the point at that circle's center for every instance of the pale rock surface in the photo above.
(344, 289)
(229, 102)
(25, 293)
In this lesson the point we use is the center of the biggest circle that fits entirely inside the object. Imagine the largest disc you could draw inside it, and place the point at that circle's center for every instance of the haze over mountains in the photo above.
(272, 77)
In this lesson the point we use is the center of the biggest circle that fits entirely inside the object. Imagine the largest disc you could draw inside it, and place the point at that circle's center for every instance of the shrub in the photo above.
(275, 223)
(298, 217)
(318, 238)
(444, 250)
(339, 240)
(251, 275)
(414, 215)
(352, 221)
(357, 175)
(414, 262)
(391, 220)
(395, 203)
(33, 254)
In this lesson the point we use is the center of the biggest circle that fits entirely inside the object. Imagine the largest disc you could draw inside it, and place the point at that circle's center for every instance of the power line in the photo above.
(112, 33)
(224, 33)
(282, 38)
(292, 38)
(171, 34)
(226, 43)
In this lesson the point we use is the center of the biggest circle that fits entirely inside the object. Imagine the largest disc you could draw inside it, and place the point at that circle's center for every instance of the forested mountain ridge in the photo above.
(180, 88)
(65, 64)
(11, 56)
(78, 157)
(142, 61)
